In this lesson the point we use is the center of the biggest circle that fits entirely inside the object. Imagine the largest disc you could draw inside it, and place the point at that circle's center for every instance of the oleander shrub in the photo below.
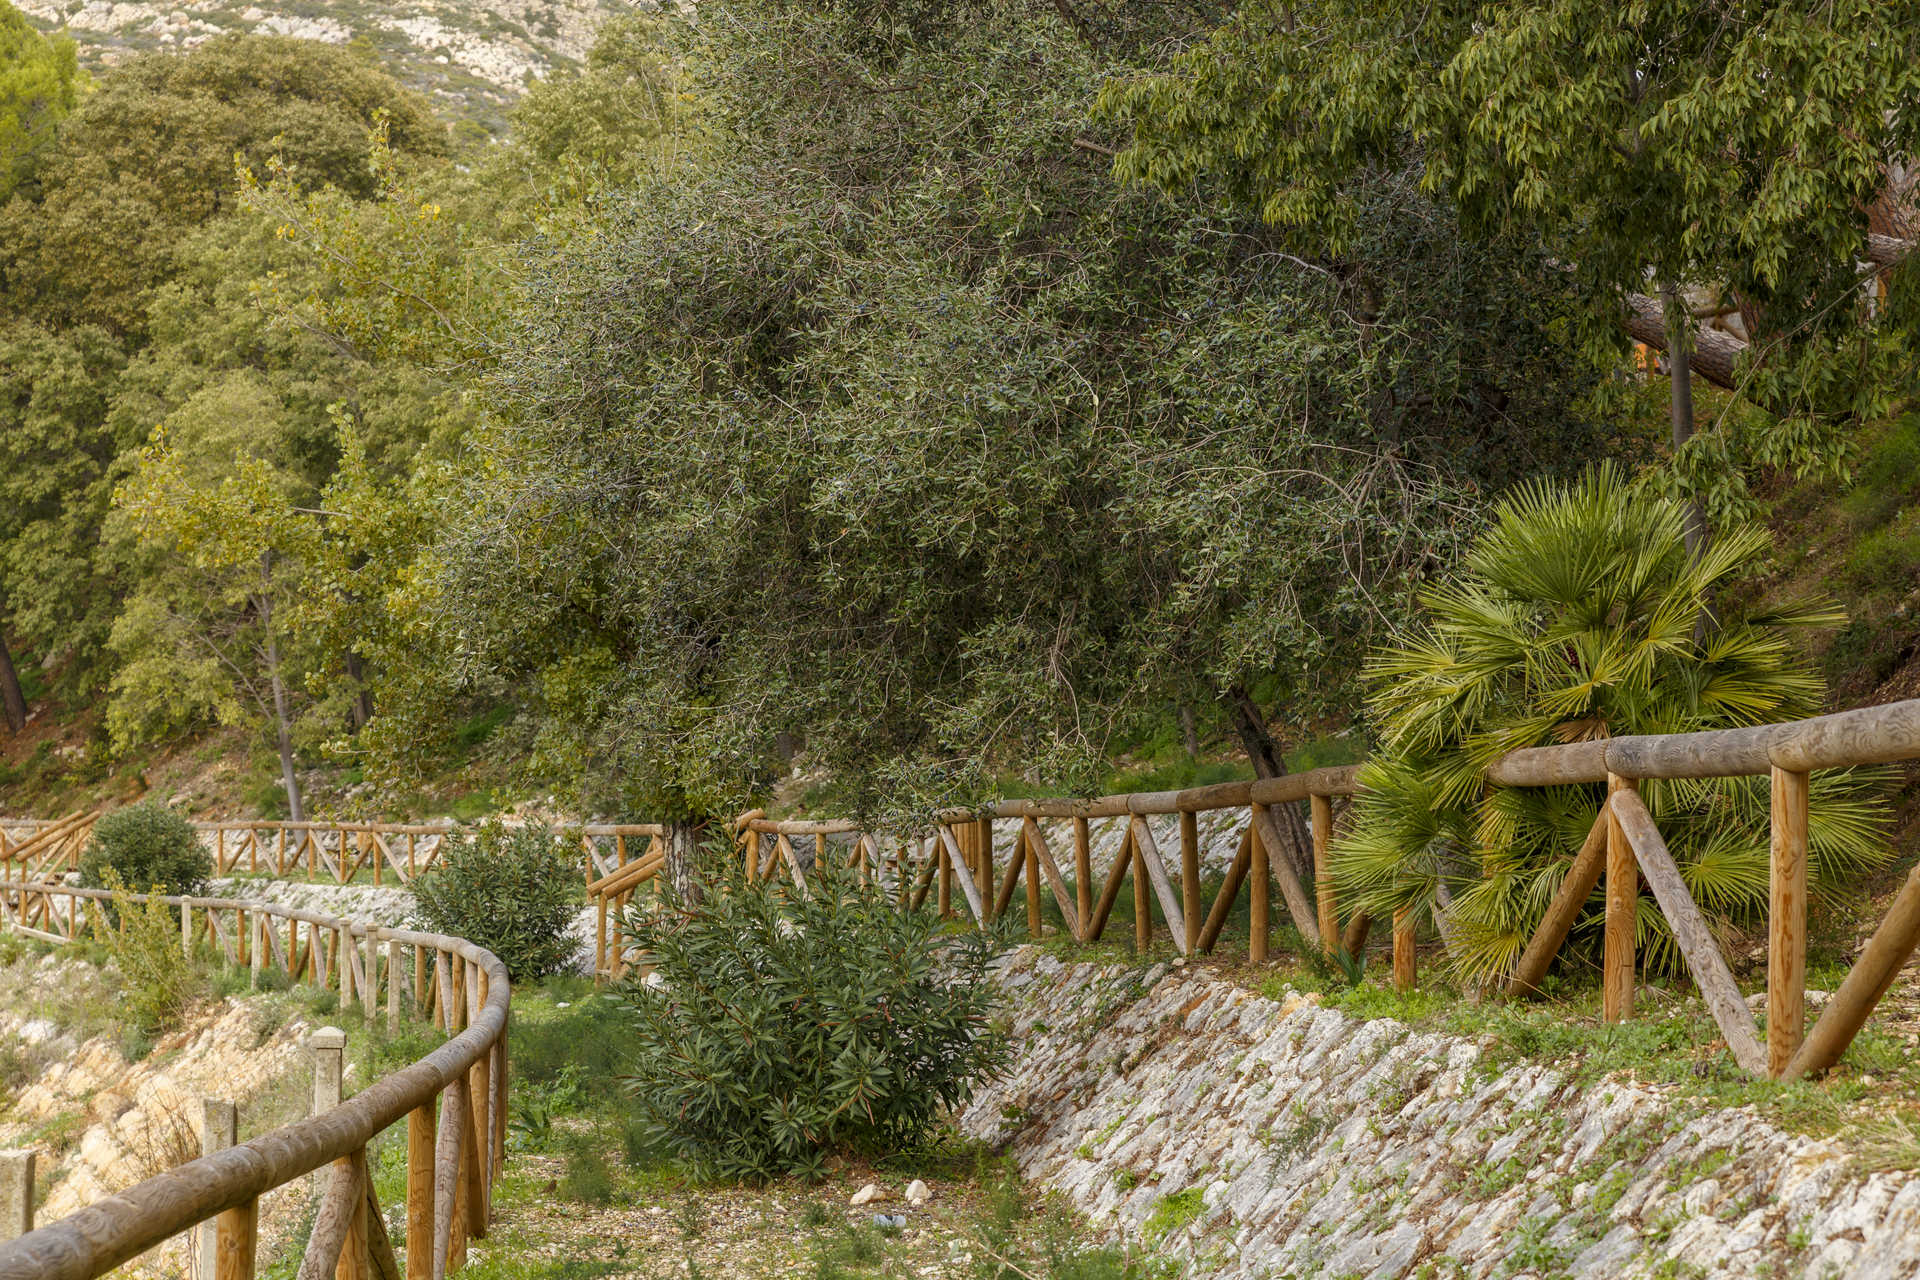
(147, 846)
(775, 1030)
(512, 890)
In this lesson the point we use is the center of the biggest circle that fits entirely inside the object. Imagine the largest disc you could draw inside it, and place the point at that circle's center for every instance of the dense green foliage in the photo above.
(775, 1030)
(513, 890)
(39, 82)
(1727, 151)
(1577, 616)
(146, 847)
(889, 427)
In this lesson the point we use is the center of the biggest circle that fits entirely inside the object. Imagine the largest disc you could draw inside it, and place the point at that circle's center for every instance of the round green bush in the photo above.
(512, 890)
(147, 846)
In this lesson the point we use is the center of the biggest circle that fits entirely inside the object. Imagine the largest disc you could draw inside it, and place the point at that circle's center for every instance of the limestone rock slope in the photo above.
(1245, 1138)
(473, 59)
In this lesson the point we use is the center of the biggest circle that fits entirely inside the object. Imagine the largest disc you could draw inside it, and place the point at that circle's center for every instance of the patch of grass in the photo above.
(1173, 1213)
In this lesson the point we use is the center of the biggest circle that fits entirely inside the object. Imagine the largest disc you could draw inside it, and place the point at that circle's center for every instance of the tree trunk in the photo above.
(12, 701)
(682, 868)
(1251, 726)
(1189, 732)
(360, 707)
(1680, 374)
(283, 728)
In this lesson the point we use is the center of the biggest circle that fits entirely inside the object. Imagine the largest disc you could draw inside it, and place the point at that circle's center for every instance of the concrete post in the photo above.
(16, 1194)
(219, 1129)
(329, 1045)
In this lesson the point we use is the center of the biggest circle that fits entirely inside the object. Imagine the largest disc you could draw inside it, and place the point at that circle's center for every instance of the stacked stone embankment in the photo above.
(1242, 1137)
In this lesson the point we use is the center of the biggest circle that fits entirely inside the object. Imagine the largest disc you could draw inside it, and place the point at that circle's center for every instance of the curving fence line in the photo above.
(1623, 851)
(329, 852)
(454, 1101)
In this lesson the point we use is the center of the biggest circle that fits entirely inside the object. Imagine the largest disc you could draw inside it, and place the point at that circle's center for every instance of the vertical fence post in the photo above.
(1787, 921)
(219, 1129)
(370, 994)
(1259, 894)
(1030, 868)
(945, 896)
(186, 928)
(1623, 904)
(1404, 958)
(1082, 874)
(16, 1194)
(1190, 877)
(1142, 899)
(393, 986)
(236, 1233)
(420, 1146)
(1327, 909)
(257, 945)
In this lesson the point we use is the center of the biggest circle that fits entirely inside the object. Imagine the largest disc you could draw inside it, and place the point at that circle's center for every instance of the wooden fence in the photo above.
(455, 1148)
(1622, 851)
(333, 852)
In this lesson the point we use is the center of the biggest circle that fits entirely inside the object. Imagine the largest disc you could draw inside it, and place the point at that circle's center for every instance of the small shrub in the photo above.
(159, 983)
(589, 1174)
(147, 847)
(512, 890)
(781, 1029)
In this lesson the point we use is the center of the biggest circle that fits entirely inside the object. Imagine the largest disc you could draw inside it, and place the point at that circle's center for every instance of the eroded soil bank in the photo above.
(1244, 1137)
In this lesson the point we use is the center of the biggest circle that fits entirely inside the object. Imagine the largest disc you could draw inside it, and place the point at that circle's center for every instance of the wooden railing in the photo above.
(1622, 850)
(332, 852)
(43, 847)
(963, 851)
(454, 1151)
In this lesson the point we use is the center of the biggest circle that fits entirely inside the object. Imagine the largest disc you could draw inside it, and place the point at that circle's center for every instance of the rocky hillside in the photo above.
(1242, 1138)
(473, 59)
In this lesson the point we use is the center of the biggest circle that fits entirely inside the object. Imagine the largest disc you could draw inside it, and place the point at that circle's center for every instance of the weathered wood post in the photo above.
(1142, 898)
(420, 1149)
(1327, 911)
(393, 985)
(1259, 895)
(1405, 963)
(1623, 904)
(258, 944)
(983, 849)
(186, 928)
(1030, 868)
(480, 1104)
(16, 1194)
(236, 1235)
(944, 898)
(1082, 874)
(219, 1129)
(1190, 876)
(1787, 921)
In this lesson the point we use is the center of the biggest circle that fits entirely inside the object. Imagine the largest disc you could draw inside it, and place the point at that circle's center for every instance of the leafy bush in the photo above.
(778, 1029)
(147, 846)
(512, 890)
(159, 983)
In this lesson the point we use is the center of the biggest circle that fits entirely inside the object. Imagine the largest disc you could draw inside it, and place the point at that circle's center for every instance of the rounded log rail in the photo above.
(1866, 735)
(449, 1179)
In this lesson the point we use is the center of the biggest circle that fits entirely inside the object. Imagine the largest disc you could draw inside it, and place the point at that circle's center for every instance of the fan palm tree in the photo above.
(1576, 616)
